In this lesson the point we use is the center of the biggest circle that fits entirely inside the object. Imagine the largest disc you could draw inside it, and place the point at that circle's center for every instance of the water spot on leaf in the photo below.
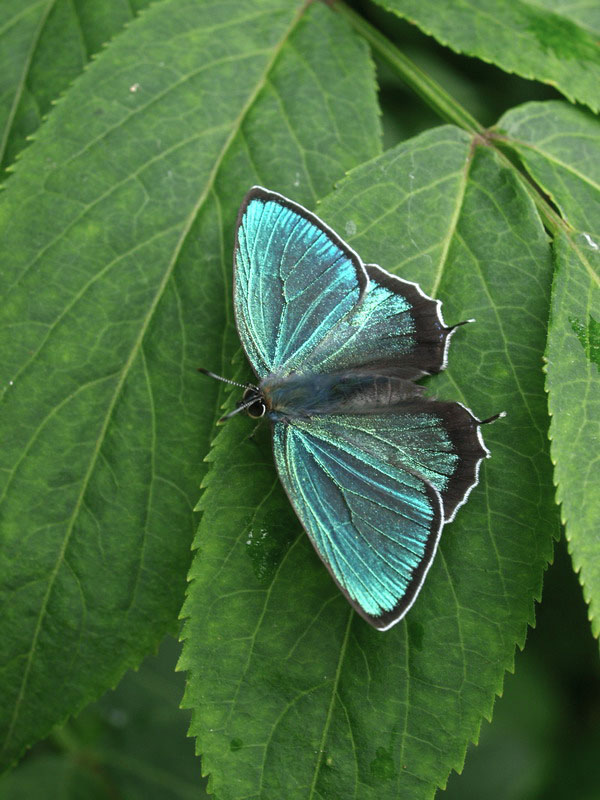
(590, 242)
(266, 550)
(589, 337)
(235, 744)
(382, 766)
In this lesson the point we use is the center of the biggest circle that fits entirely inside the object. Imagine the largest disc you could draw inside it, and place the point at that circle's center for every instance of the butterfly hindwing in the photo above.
(304, 301)
(440, 441)
(374, 525)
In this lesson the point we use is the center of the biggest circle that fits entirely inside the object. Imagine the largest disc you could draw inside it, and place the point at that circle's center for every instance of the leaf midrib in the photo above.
(155, 99)
(453, 226)
(334, 689)
(236, 127)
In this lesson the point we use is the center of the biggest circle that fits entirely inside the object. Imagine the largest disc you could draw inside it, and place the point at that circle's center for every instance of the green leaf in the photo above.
(560, 146)
(132, 743)
(44, 45)
(539, 40)
(573, 384)
(293, 694)
(119, 223)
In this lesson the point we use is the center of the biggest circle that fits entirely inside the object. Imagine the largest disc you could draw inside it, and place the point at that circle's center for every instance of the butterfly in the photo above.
(372, 467)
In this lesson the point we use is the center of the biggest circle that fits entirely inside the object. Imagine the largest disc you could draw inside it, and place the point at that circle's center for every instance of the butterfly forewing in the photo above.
(293, 281)
(304, 301)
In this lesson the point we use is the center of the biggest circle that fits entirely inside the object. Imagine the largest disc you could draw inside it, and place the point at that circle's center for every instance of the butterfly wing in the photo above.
(439, 441)
(374, 524)
(305, 302)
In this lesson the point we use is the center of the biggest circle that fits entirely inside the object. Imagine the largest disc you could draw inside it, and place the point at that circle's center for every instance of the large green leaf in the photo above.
(560, 146)
(118, 222)
(44, 45)
(293, 694)
(549, 40)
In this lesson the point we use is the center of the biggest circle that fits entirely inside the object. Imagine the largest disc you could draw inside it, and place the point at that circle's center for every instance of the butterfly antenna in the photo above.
(225, 380)
(493, 419)
(236, 410)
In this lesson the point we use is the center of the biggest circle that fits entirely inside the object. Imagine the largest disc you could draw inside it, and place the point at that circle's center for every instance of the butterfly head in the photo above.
(253, 400)
(253, 403)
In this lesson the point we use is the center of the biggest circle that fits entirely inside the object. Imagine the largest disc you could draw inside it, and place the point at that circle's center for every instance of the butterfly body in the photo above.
(372, 467)
(352, 392)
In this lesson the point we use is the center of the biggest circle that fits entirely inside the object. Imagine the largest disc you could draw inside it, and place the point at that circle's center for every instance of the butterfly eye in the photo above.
(256, 409)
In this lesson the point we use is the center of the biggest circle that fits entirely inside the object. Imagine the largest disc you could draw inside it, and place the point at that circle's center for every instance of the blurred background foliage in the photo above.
(132, 745)
(544, 740)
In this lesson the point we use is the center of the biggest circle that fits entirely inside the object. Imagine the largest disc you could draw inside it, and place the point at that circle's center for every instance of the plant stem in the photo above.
(429, 90)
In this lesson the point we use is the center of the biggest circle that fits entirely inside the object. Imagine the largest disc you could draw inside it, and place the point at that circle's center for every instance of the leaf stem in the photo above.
(428, 89)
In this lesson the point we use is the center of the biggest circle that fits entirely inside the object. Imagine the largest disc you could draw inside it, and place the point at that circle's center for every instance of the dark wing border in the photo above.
(465, 435)
(433, 335)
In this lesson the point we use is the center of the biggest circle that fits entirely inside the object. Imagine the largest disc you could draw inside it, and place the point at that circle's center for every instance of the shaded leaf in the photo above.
(119, 224)
(560, 146)
(541, 40)
(44, 45)
(293, 694)
(132, 743)
(543, 739)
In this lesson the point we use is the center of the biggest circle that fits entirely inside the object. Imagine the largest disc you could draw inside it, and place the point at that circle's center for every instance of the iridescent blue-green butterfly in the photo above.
(372, 467)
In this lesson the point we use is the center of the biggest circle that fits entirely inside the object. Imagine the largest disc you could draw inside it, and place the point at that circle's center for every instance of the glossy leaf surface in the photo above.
(44, 46)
